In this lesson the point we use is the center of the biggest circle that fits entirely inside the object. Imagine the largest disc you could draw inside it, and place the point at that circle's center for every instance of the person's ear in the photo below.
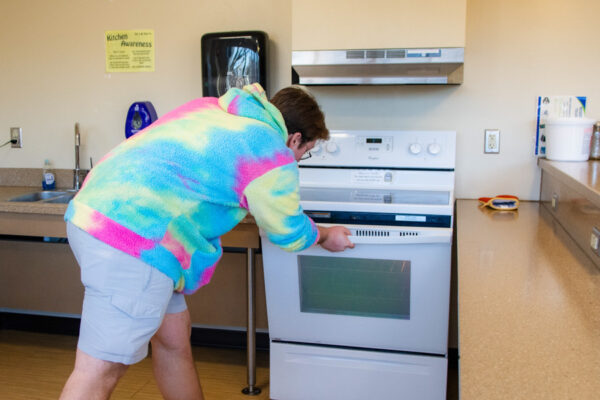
(294, 140)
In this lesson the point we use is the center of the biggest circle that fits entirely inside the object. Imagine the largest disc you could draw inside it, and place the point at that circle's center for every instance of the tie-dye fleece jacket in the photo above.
(169, 192)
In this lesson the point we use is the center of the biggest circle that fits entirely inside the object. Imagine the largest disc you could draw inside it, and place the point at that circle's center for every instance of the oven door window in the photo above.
(354, 286)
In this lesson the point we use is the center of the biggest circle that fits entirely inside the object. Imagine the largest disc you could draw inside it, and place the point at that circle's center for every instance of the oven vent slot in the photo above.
(355, 54)
(408, 233)
(400, 53)
(372, 233)
(375, 54)
(380, 233)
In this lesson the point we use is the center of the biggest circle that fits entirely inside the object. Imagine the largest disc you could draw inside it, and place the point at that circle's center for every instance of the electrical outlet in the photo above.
(15, 134)
(491, 143)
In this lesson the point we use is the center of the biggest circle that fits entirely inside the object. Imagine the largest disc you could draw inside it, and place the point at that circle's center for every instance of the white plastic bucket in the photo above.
(568, 139)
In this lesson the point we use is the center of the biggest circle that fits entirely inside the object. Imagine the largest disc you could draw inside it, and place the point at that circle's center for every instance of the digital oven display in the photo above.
(374, 140)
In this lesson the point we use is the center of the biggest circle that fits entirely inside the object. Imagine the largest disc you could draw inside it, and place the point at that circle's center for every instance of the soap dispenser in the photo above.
(48, 181)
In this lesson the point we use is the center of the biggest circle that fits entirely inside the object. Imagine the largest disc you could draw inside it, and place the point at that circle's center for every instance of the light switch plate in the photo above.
(491, 142)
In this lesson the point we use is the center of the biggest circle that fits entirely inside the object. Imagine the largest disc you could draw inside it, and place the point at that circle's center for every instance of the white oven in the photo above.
(369, 322)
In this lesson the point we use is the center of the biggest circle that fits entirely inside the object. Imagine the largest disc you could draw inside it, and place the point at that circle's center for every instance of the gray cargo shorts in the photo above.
(125, 300)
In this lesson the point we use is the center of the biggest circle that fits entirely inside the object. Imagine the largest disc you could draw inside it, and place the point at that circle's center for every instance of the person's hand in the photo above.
(335, 238)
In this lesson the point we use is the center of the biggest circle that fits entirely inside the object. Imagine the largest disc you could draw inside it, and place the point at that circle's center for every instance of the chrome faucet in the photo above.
(76, 176)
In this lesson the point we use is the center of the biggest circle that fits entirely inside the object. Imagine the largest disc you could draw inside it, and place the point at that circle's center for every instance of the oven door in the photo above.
(380, 295)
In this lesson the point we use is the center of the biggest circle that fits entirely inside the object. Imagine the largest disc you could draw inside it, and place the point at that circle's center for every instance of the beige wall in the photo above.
(381, 24)
(52, 67)
(515, 51)
(52, 75)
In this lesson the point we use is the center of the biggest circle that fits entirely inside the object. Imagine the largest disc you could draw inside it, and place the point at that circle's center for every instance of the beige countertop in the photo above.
(46, 219)
(30, 218)
(586, 174)
(528, 307)
(7, 192)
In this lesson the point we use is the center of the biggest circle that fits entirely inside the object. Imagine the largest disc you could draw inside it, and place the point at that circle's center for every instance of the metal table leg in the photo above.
(251, 389)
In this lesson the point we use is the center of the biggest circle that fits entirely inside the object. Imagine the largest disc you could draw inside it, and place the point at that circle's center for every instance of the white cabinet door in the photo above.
(359, 24)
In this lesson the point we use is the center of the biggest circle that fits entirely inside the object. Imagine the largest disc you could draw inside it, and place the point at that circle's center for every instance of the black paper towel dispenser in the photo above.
(233, 59)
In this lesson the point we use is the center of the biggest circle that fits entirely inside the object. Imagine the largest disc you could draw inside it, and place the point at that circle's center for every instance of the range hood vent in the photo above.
(436, 66)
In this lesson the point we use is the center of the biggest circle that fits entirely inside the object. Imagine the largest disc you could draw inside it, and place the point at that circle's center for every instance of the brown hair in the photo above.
(301, 113)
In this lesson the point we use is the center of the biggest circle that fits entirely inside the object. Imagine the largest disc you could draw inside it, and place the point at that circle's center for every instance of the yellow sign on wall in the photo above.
(130, 51)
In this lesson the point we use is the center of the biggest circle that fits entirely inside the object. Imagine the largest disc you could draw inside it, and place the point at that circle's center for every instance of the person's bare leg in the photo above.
(92, 379)
(172, 359)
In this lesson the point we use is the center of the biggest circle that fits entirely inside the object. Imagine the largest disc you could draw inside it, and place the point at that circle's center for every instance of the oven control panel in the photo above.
(387, 149)
(375, 144)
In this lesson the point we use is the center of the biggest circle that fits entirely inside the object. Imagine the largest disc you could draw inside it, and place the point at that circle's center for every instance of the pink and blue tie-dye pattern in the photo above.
(249, 168)
(168, 193)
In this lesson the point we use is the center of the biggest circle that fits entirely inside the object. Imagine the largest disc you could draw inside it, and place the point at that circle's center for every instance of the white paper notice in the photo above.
(371, 176)
(370, 197)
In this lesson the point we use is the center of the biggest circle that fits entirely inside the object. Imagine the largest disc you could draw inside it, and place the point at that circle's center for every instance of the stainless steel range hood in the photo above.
(435, 66)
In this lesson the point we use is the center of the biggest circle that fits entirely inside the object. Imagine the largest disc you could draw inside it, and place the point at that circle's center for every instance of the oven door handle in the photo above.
(442, 237)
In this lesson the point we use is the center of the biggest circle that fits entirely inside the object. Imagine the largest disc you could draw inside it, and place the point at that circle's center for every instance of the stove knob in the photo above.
(316, 149)
(414, 148)
(434, 149)
(331, 147)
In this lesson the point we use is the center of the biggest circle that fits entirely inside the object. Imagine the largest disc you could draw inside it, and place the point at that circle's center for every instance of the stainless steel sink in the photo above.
(64, 199)
(37, 196)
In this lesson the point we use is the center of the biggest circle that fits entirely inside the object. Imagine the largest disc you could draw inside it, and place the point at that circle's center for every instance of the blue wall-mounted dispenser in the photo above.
(140, 115)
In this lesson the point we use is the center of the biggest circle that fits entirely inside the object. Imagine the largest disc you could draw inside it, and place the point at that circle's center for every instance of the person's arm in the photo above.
(274, 202)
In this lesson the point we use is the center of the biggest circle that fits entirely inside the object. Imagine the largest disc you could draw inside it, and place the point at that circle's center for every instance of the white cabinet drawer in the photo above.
(300, 372)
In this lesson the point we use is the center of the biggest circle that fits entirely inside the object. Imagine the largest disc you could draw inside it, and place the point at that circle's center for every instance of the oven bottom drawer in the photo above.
(300, 372)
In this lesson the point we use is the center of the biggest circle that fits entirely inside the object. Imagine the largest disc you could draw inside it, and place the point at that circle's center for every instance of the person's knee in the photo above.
(174, 334)
(92, 378)
(94, 367)
(113, 370)
(171, 344)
